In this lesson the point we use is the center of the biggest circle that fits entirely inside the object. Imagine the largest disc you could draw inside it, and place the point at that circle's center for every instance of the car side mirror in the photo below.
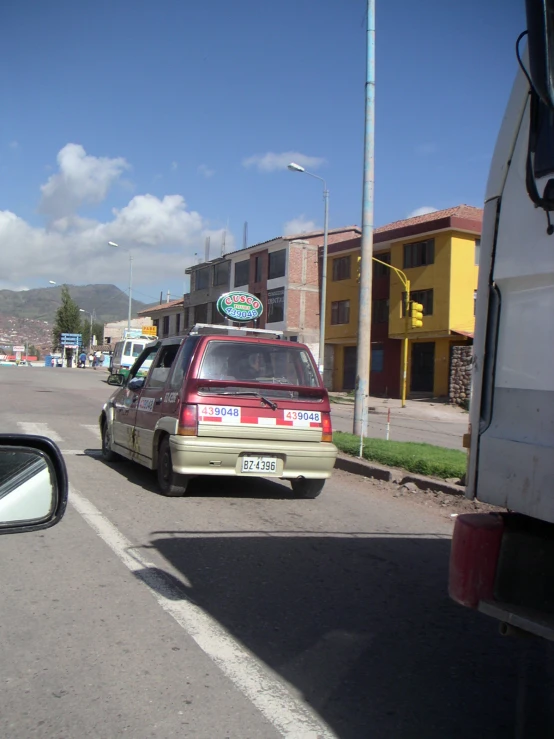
(137, 383)
(118, 380)
(33, 483)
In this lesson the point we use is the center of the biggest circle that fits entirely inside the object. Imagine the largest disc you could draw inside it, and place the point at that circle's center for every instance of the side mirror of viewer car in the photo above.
(33, 483)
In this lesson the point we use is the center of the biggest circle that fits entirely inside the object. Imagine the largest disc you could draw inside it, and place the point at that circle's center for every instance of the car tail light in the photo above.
(188, 420)
(327, 430)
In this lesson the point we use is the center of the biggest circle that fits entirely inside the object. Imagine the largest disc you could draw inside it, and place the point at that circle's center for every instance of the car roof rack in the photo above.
(219, 328)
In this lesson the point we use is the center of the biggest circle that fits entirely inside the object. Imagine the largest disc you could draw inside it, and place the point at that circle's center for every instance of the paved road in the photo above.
(237, 611)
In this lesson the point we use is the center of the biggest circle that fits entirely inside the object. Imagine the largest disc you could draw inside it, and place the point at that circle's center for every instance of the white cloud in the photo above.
(299, 225)
(174, 166)
(271, 162)
(81, 179)
(423, 211)
(14, 144)
(162, 233)
(205, 171)
(426, 149)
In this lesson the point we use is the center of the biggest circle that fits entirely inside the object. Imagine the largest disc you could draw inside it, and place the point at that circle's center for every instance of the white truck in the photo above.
(503, 563)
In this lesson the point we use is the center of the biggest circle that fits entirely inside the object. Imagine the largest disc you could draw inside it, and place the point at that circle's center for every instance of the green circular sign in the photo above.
(240, 306)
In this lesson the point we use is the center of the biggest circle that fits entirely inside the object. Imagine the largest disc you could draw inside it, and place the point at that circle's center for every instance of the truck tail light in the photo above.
(188, 420)
(327, 430)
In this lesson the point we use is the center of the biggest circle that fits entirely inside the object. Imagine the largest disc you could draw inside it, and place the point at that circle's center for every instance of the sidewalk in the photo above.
(426, 408)
(427, 421)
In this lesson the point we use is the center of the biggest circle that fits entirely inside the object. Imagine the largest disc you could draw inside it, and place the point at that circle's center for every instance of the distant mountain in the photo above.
(108, 302)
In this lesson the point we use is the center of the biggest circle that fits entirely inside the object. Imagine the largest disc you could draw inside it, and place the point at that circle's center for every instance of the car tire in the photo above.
(107, 454)
(170, 483)
(306, 489)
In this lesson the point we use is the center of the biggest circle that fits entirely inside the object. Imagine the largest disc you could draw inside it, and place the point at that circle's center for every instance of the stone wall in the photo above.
(460, 375)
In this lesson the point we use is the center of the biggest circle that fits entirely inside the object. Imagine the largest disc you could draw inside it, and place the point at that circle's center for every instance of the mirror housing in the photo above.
(118, 380)
(540, 41)
(33, 483)
(137, 383)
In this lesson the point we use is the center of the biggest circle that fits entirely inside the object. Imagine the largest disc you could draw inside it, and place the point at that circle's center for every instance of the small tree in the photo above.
(97, 330)
(68, 319)
(32, 351)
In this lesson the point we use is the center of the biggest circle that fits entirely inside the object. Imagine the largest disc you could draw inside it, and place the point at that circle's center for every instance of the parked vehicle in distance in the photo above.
(125, 354)
(226, 403)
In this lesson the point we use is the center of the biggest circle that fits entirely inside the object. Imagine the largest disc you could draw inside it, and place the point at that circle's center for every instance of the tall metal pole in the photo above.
(130, 289)
(366, 267)
(323, 305)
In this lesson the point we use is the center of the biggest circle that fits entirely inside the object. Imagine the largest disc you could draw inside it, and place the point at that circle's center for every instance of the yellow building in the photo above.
(439, 253)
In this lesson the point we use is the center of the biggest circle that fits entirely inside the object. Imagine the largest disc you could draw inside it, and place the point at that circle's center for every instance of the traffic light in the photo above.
(358, 268)
(416, 314)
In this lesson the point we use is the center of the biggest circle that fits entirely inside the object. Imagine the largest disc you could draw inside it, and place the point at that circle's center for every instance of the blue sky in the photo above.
(149, 124)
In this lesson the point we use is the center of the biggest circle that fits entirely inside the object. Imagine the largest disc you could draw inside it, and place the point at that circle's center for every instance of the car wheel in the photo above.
(304, 488)
(170, 483)
(107, 454)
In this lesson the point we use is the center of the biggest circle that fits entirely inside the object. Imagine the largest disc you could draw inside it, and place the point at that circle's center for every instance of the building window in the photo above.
(341, 268)
(221, 273)
(379, 270)
(201, 313)
(242, 272)
(425, 297)
(258, 269)
(156, 324)
(380, 311)
(477, 251)
(277, 264)
(216, 315)
(178, 323)
(186, 317)
(377, 358)
(165, 326)
(275, 305)
(202, 278)
(419, 253)
(340, 312)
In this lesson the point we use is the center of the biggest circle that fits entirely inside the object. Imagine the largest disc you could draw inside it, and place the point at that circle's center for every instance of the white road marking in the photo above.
(38, 429)
(94, 429)
(271, 696)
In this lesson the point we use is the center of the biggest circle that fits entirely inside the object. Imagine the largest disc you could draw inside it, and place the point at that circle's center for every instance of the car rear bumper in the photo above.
(215, 456)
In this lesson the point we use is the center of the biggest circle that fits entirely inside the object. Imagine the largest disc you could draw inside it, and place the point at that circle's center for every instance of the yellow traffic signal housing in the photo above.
(358, 268)
(416, 314)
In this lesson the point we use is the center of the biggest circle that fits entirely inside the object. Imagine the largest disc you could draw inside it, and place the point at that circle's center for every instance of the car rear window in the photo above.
(283, 364)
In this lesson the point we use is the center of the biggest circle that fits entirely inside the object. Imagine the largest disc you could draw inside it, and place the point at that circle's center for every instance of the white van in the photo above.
(126, 352)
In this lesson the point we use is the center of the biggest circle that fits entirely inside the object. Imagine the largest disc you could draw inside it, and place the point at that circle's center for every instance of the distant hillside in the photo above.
(107, 301)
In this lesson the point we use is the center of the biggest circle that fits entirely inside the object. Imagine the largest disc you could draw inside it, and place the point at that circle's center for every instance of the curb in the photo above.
(389, 474)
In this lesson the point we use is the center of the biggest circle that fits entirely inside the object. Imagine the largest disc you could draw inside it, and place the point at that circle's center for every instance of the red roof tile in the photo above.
(467, 212)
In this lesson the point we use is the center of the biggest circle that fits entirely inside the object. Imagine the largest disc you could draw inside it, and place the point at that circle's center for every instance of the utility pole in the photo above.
(366, 267)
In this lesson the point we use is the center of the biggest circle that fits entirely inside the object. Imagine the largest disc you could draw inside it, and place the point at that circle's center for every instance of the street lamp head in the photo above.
(52, 282)
(112, 243)
(295, 167)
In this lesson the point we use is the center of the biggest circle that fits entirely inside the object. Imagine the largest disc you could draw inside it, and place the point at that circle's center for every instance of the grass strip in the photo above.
(422, 459)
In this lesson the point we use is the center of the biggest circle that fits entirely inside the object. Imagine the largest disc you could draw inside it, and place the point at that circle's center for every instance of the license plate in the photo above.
(259, 464)
(219, 413)
(302, 418)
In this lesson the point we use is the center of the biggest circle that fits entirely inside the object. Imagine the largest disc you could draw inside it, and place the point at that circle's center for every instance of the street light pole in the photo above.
(82, 310)
(112, 243)
(323, 303)
(363, 369)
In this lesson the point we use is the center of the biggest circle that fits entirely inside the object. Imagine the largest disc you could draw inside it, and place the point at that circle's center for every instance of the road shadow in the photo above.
(361, 626)
(200, 487)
